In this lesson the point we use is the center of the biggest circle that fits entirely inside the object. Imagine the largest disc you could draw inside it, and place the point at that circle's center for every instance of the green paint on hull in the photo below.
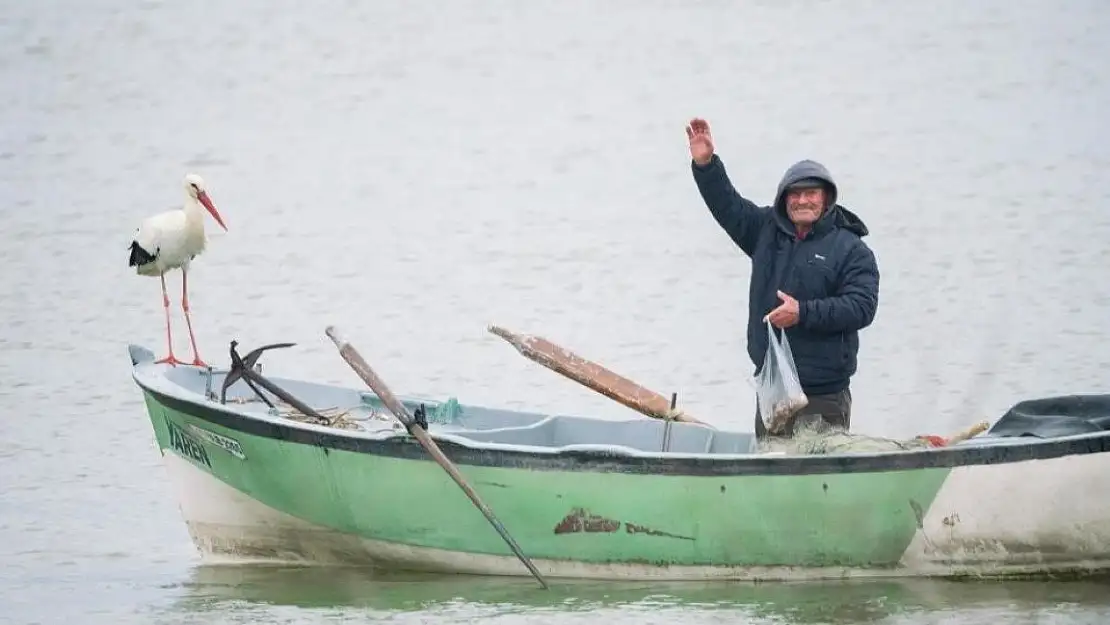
(852, 519)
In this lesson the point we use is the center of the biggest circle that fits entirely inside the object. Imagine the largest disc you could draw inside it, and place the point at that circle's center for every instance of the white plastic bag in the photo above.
(777, 388)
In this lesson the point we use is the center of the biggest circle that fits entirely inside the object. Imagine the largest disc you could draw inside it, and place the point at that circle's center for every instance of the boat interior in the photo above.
(362, 413)
(355, 410)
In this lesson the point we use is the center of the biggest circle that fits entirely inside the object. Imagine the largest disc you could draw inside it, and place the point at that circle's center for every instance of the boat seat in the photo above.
(642, 434)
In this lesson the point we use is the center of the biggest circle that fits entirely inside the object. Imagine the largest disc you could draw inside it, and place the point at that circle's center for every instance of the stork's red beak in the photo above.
(203, 197)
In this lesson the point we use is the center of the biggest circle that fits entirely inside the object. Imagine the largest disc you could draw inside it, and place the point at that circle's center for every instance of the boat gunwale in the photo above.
(616, 458)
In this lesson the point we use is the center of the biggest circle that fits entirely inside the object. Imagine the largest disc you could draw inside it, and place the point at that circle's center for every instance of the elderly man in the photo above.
(812, 277)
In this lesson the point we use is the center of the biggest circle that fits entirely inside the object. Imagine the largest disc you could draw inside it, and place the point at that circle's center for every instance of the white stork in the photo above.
(171, 240)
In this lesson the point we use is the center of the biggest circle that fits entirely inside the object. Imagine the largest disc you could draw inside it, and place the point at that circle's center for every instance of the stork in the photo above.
(171, 240)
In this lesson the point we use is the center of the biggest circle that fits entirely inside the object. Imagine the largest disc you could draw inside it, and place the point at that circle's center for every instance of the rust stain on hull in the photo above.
(581, 520)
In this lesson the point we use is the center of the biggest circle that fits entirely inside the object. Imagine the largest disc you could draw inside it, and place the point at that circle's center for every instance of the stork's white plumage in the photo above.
(171, 240)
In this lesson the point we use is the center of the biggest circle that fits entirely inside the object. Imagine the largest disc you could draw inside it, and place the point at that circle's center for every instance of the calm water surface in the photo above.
(413, 172)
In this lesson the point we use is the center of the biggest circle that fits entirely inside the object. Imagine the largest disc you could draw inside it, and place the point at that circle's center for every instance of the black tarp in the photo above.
(1049, 417)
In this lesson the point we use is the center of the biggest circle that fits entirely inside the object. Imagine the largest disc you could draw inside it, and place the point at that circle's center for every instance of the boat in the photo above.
(345, 482)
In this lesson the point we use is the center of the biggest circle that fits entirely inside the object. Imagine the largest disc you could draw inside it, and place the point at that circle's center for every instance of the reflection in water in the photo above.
(360, 592)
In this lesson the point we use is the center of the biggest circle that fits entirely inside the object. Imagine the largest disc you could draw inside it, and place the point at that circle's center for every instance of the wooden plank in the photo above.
(593, 376)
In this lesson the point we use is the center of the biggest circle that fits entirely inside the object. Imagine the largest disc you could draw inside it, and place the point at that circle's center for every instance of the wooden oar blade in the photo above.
(589, 374)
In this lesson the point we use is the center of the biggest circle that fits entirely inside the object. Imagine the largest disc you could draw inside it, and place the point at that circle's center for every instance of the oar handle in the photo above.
(351, 355)
(335, 336)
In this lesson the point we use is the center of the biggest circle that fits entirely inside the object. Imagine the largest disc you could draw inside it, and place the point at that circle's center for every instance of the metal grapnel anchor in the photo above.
(242, 368)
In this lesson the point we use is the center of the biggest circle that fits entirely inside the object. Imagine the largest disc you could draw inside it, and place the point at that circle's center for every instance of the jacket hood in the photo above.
(835, 214)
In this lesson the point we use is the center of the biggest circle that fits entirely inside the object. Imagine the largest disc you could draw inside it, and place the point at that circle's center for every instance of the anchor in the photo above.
(242, 368)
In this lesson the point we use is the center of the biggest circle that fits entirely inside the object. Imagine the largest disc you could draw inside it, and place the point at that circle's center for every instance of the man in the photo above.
(813, 277)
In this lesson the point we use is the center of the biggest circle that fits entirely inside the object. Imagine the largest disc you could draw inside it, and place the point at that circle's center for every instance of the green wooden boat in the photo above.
(595, 498)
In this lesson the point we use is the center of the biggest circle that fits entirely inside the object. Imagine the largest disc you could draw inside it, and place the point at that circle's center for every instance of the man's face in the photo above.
(804, 206)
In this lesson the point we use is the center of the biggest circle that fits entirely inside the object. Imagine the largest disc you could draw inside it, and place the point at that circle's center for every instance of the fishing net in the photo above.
(815, 443)
(336, 417)
(355, 417)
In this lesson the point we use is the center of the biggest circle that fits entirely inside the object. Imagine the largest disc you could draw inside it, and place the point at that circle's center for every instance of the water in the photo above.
(413, 173)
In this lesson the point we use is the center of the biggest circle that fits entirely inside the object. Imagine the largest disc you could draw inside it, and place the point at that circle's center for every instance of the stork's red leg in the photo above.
(189, 322)
(169, 338)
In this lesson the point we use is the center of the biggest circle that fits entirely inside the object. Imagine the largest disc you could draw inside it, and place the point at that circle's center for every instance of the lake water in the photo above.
(414, 172)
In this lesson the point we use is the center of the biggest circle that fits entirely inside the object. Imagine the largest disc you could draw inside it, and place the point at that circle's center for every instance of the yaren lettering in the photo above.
(186, 445)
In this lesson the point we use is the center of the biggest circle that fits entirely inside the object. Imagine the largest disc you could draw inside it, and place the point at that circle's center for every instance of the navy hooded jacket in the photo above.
(831, 272)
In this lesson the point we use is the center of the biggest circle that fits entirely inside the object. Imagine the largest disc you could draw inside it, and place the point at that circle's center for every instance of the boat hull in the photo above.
(229, 527)
(250, 494)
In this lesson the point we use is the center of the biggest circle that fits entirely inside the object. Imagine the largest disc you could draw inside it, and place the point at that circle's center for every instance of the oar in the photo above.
(593, 376)
(351, 355)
